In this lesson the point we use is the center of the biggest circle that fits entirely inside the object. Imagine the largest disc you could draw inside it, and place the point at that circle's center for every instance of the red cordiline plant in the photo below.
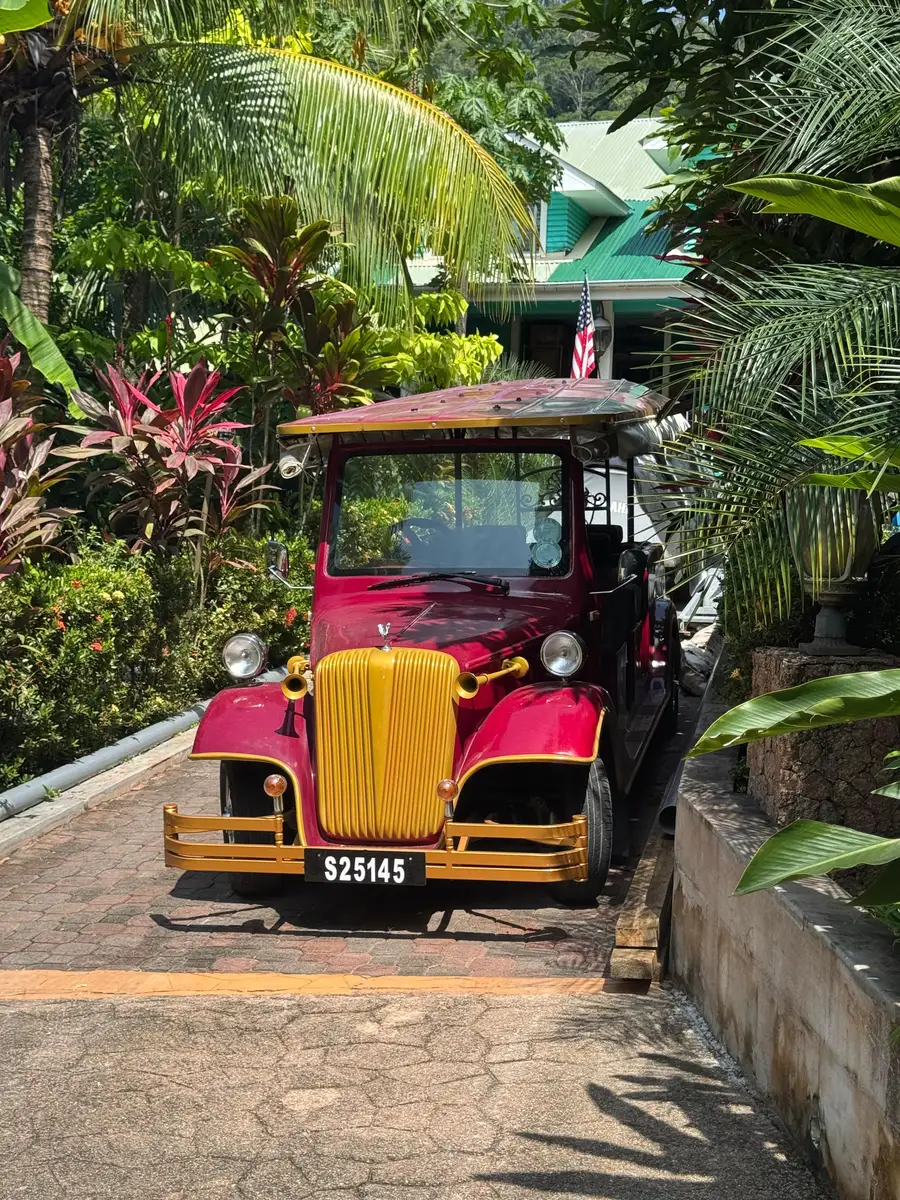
(26, 524)
(161, 451)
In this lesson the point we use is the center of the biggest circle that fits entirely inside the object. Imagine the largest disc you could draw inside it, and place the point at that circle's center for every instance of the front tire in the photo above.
(598, 808)
(241, 795)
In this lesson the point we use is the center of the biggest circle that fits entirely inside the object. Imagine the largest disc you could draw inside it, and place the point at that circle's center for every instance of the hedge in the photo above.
(98, 647)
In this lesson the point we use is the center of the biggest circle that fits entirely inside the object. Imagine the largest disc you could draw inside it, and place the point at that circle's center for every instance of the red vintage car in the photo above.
(491, 654)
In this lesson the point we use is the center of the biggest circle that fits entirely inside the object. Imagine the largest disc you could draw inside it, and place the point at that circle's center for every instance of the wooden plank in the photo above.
(634, 964)
(642, 929)
(638, 925)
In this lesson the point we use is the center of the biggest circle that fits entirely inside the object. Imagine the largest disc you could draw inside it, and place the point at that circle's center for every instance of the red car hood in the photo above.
(473, 628)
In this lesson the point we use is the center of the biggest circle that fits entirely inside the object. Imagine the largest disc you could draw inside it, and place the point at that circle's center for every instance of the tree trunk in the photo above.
(37, 232)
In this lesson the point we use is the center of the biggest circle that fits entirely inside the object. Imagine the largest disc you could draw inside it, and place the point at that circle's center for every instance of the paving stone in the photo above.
(101, 885)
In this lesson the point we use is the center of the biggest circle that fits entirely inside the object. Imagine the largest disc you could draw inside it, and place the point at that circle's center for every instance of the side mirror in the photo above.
(278, 565)
(277, 561)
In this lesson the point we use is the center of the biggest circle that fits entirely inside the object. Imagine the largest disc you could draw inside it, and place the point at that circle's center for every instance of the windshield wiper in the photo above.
(490, 583)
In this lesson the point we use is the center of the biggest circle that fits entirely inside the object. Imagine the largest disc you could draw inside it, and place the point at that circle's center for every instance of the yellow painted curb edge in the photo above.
(96, 985)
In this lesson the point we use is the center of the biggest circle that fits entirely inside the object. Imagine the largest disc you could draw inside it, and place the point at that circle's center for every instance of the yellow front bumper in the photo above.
(452, 860)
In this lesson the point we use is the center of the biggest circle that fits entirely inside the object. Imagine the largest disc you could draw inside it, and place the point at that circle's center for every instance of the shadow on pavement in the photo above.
(682, 1155)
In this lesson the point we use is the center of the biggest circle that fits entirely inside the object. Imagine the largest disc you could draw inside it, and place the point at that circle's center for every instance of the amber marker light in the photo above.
(275, 786)
(448, 789)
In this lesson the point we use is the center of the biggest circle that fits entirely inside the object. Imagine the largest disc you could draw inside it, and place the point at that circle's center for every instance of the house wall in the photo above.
(566, 222)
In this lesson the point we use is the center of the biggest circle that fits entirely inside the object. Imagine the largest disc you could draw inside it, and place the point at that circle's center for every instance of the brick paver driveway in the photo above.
(96, 894)
(454, 1093)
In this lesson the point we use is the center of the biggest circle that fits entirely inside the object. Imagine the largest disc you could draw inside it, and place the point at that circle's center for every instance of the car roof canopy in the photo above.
(548, 405)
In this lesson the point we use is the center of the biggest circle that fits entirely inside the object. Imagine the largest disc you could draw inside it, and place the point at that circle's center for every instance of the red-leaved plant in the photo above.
(25, 524)
(161, 451)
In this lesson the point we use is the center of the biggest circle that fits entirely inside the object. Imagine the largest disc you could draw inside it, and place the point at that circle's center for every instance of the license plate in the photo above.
(364, 866)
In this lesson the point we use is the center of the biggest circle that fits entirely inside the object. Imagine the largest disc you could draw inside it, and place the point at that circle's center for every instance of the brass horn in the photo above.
(295, 685)
(467, 683)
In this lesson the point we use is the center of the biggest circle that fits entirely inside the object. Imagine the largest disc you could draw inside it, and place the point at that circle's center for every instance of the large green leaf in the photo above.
(26, 328)
(872, 208)
(865, 481)
(832, 700)
(813, 848)
(18, 15)
(883, 890)
(857, 447)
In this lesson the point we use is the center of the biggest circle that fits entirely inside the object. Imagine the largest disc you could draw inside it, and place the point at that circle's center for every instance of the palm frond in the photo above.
(392, 172)
(786, 335)
(264, 22)
(833, 105)
(776, 359)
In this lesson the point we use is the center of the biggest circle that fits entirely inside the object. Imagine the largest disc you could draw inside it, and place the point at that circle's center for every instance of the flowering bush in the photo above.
(97, 648)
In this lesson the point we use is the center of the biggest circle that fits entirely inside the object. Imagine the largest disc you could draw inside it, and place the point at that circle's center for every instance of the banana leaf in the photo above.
(832, 700)
(18, 15)
(871, 208)
(815, 848)
(883, 890)
(43, 352)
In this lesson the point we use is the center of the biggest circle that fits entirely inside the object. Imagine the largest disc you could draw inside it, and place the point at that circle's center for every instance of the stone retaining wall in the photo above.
(825, 774)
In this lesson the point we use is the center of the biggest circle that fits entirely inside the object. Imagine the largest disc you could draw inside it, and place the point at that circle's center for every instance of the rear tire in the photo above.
(668, 722)
(241, 795)
(598, 808)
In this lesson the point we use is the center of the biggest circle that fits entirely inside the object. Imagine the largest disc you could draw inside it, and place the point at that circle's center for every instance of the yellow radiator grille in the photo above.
(385, 729)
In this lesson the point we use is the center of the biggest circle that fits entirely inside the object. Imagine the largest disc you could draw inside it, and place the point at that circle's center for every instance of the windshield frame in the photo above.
(449, 447)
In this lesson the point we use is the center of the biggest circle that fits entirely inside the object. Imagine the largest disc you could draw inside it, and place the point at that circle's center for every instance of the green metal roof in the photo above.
(618, 160)
(622, 250)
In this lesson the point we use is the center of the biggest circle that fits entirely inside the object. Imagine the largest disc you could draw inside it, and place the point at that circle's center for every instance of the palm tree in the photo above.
(229, 99)
(788, 352)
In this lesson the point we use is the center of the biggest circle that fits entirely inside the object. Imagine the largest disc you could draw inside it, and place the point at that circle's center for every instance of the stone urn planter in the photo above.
(834, 536)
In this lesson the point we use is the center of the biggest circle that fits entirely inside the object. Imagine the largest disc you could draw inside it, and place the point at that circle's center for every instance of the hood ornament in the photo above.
(385, 630)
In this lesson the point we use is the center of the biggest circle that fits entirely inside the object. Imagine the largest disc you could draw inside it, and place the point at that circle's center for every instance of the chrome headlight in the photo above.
(562, 653)
(244, 656)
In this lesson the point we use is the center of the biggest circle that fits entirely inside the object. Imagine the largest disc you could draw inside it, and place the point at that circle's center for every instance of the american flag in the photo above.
(583, 354)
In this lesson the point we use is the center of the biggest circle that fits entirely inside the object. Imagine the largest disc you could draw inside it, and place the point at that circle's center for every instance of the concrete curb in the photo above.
(108, 785)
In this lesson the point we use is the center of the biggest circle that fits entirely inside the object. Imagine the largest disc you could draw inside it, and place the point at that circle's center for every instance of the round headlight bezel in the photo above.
(252, 642)
(561, 668)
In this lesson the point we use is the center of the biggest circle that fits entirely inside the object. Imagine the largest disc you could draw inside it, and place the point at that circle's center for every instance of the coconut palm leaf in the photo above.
(393, 172)
(833, 105)
(778, 360)
(162, 21)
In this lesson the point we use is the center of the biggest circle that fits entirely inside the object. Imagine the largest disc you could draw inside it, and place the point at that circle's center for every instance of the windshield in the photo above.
(451, 511)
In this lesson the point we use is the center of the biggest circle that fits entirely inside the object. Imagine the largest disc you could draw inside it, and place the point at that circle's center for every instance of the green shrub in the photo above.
(95, 649)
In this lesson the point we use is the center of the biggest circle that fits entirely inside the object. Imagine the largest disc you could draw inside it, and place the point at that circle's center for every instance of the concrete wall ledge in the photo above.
(803, 989)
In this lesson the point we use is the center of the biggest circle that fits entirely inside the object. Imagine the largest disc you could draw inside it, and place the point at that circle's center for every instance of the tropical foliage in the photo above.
(782, 355)
(26, 523)
(104, 642)
(199, 85)
(795, 85)
(807, 848)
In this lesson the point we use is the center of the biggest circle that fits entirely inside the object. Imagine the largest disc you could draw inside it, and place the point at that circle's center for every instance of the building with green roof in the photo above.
(595, 224)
